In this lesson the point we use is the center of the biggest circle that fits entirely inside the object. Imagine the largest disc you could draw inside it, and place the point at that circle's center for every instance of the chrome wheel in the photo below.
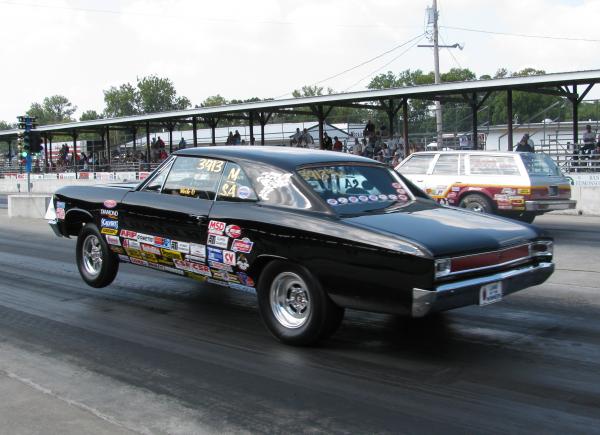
(92, 255)
(473, 206)
(290, 300)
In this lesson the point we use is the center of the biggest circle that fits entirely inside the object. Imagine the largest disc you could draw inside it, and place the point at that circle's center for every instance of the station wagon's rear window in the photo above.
(356, 188)
(493, 165)
(540, 164)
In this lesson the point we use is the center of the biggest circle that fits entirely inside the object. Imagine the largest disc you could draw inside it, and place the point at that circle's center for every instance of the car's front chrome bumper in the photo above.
(466, 292)
(551, 204)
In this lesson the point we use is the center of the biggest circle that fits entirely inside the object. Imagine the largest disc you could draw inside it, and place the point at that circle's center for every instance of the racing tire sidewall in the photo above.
(110, 262)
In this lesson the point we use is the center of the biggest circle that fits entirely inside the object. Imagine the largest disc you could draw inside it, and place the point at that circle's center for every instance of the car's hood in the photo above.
(447, 231)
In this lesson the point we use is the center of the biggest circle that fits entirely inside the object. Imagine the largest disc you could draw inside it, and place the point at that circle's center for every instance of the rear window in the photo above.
(417, 164)
(352, 189)
(493, 165)
(540, 164)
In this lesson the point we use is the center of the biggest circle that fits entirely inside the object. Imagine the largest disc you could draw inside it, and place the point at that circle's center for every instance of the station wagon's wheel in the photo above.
(97, 265)
(476, 202)
(293, 305)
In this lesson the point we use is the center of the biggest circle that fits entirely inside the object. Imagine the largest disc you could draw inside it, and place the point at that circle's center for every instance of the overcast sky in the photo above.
(267, 48)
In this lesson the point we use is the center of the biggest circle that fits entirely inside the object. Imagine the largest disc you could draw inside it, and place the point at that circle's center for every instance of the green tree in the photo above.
(214, 100)
(53, 110)
(158, 94)
(121, 101)
(90, 115)
(6, 125)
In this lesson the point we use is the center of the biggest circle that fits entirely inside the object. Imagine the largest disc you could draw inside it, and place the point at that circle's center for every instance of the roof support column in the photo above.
(509, 116)
(147, 141)
(170, 127)
(10, 156)
(263, 117)
(405, 124)
(102, 134)
(134, 132)
(50, 143)
(475, 104)
(46, 153)
(475, 132)
(108, 144)
(195, 132)
(251, 125)
(575, 102)
(75, 159)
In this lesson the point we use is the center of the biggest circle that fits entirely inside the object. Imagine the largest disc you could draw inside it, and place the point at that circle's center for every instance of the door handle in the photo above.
(199, 217)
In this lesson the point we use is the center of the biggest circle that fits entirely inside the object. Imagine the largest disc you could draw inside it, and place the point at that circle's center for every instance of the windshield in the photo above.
(354, 189)
(539, 164)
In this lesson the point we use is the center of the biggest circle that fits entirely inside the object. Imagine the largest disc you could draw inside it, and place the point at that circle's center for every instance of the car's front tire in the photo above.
(294, 306)
(97, 264)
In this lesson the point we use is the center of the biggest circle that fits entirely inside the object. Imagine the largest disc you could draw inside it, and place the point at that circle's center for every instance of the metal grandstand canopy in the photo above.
(474, 93)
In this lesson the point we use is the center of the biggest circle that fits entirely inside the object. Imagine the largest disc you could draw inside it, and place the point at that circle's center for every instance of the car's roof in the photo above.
(286, 158)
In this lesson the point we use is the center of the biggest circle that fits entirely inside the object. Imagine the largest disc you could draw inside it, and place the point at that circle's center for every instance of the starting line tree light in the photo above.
(29, 143)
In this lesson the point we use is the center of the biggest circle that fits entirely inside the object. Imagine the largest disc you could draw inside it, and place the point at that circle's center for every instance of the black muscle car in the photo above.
(311, 232)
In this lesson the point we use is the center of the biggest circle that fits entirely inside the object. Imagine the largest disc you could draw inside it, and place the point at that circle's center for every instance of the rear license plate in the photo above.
(552, 190)
(490, 293)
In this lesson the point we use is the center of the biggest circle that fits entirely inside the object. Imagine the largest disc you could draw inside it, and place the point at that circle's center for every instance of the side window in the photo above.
(235, 185)
(194, 177)
(492, 165)
(157, 180)
(417, 164)
(447, 164)
(275, 187)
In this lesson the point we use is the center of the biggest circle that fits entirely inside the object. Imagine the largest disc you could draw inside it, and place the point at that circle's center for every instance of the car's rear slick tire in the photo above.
(476, 202)
(97, 264)
(294, 306)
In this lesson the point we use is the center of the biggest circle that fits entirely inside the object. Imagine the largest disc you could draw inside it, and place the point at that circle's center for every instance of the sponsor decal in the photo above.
(373, 197)
(233, 231)
(230, 277)
(242, 245)
(109, 223)
(197, 250)
(128, 234)
(138, 261)
(195, 259)
(134, 244)
(403, 197)
(242, 262)
(244, 192)
(383, 197)
(220, 266)
(451, 195)
(166, 261)
(145, 238)
(342, 200)
(215, 255)
(363, 198)
(245, 279)
(170, 253)
(110, 203)
(183, 247)
(117, 249)
(272, 181)
(229, 258)
(60, 204)
(519, 191)
(353, 199)
(162, 242)
(150, 249)
(217, 282)
(112, 214)
(134, 253)
(219, 274)
(109, 231)
(113, 240)
(401, 191)
(393, 197)
(192, 267)
(332, 201)
(396, 185)
(194, 276)
(455, 189)
(154, 266)
(149, 257)
(216, 227)
(218, 241)
(171, 270)
(242, 287)
(499, 197)
(60, 213)
(509, 191)
(124, 258)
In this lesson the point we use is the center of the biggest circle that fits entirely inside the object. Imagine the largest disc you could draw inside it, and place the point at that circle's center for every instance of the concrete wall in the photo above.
(45, 186)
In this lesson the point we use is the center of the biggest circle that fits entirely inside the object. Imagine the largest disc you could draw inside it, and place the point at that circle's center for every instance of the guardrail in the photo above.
(8, 171)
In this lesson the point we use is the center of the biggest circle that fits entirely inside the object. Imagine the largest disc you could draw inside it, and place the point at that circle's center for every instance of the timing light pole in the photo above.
(433, 20)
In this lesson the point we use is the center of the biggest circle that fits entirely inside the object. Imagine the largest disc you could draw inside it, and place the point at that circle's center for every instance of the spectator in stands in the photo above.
(357, 148)
(524, 145)
(229, 140)
(589, 139)
(295, 140)
(306, 140)
(337, 145)
(182, 143)
(237, 138)
(369, 129)
(327, 142)
(384, 154)
(252, 140)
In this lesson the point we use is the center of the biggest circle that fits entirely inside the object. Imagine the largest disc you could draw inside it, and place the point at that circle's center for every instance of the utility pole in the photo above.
(432, 20)
(436, 71)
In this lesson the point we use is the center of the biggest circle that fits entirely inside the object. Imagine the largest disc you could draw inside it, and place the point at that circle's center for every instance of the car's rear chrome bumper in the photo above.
(466, 292)
(551, 204)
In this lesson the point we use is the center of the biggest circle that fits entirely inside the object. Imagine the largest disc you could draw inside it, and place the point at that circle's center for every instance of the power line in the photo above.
(362, 63)
(522, 35)
(450, 51)
(390, 62)
(199, 19)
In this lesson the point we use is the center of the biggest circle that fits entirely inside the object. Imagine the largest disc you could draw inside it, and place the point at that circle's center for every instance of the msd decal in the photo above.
(109, 223)
(216, 227)
(233, 231)
(242, 245)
